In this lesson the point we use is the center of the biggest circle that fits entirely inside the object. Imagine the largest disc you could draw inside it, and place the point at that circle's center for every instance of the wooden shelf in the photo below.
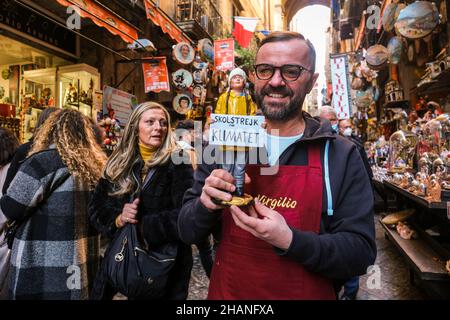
(403, 104)
(419, 200)
(420, 256)
(438, 85)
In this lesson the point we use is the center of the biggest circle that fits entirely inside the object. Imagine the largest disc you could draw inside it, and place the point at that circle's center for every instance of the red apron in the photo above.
(247, 267)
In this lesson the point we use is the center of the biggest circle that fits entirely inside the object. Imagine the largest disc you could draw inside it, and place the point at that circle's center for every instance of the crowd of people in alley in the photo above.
(62, 197)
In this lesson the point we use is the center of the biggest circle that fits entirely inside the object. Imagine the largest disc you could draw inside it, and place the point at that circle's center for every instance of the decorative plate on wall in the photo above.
(182, 79)
(206, 49)
(183, 53)
(418, 20)
(182, 103)
(197, 91)
(197, 75)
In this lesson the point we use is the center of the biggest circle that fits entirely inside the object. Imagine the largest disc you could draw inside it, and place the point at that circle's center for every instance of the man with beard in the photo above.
(311, 224)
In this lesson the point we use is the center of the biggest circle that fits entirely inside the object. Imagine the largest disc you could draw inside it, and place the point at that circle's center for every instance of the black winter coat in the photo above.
(159, 207)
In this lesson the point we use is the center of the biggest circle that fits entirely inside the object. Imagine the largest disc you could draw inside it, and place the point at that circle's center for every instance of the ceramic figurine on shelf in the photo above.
(435, 191)
(422, 191)
(414, 186)
(405, 181)
(71, 94)
(47, 97)
(405, 231)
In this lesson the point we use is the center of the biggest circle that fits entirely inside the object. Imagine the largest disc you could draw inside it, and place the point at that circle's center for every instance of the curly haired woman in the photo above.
(55, 253)
(124, 196)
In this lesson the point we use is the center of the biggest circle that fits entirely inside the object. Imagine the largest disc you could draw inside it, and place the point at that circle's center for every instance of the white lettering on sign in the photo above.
(340, 82)
(239, 131)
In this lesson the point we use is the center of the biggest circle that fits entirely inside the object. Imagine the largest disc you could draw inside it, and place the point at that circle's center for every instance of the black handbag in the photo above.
(134, 271)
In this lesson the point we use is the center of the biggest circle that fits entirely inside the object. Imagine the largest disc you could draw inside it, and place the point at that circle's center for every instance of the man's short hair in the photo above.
(328, 110)
(341, 121)
(278, 36)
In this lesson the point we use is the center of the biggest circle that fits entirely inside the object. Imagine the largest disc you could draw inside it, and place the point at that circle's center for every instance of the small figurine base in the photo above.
(237, 201)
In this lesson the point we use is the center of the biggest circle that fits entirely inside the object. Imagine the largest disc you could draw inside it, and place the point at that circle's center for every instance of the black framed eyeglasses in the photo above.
(289, 72)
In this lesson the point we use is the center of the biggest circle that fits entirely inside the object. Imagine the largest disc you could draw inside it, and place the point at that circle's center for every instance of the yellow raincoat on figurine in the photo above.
(236, 100)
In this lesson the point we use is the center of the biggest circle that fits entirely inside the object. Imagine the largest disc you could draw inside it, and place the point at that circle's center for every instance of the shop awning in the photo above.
(103, 18)
(158, 17)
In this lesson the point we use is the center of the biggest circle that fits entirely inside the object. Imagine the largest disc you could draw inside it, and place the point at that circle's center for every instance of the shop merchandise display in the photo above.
(417, 163)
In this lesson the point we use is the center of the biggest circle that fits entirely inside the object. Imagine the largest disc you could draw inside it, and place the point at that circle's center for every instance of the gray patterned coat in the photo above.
(55, 254)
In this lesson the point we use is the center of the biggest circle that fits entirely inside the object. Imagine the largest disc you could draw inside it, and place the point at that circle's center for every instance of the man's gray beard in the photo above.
(281, 113)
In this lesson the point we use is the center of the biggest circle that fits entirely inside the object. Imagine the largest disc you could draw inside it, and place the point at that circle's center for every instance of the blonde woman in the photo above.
(124, 196)
(55, 252)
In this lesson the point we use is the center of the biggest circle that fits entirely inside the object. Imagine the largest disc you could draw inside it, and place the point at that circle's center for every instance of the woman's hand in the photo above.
(129, 213)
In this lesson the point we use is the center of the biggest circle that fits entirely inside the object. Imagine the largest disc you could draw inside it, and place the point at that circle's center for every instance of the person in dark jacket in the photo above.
(185, 134)
(122, 197)
(312, 220)
(55, 252)
(23, 150)
(345, 129)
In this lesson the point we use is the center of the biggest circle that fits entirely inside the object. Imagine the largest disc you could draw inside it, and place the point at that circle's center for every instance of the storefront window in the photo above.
(32, 80)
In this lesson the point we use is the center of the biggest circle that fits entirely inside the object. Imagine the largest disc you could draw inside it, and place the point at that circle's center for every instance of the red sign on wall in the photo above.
(156, 76)
(224, 54)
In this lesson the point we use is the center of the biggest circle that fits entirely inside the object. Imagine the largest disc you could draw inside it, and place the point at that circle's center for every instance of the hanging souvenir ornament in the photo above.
(363, 98)
(197, 91)
(206, 49)
(197, 75)
(357, 83)
(395, 48)
(418, 20)
(199, 64)
(182, 79)
(400, 7)
(182, 103)
(204, 75)
(388, 19)
(377, 57)
(183, 53)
